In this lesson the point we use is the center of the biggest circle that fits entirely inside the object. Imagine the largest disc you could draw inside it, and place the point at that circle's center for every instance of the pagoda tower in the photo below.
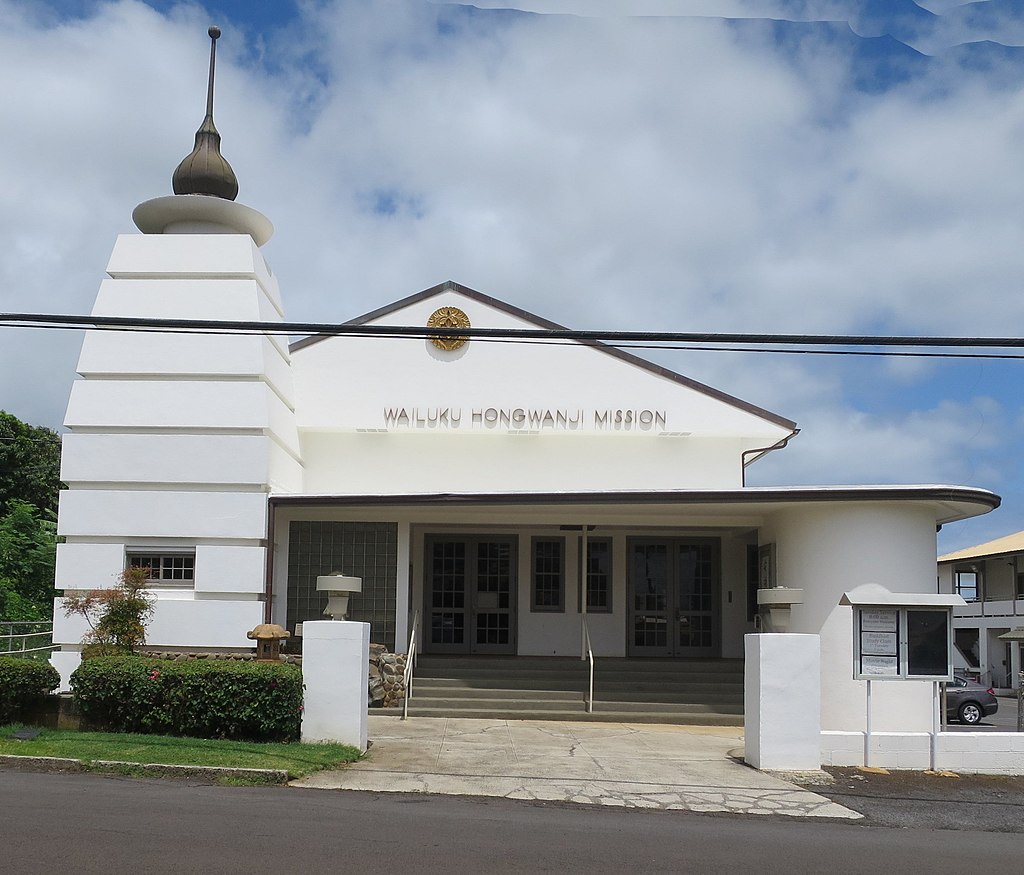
(175, 438)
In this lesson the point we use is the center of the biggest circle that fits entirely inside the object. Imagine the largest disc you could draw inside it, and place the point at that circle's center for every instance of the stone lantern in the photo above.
(268, 638)
(338, 588)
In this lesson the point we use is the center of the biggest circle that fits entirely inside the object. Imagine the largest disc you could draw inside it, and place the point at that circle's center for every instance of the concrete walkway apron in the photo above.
(690, 768)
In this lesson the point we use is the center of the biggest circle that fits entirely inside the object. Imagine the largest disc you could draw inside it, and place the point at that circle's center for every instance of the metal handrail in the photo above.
(410, 662)
(9, 638)
(590, 656)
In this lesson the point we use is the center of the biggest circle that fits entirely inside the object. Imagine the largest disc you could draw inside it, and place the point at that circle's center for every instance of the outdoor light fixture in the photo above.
(338, 588)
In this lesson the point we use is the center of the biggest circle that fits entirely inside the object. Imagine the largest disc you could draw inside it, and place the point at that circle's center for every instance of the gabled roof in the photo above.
(540, 322)
(999, 547)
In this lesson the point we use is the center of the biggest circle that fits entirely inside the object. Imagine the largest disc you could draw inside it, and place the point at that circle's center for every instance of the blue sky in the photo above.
(824, 166)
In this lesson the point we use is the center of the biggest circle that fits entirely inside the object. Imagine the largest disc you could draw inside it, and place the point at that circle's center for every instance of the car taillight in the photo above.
(990, 691)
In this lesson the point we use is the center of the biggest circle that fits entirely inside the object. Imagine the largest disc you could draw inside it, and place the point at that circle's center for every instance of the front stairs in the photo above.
(707, 692)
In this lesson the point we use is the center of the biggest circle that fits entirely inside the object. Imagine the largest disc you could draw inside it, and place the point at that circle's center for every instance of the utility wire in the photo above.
(635, 339)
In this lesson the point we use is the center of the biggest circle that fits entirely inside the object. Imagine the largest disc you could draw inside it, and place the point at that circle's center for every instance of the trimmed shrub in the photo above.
(23, 683)
(255, 701)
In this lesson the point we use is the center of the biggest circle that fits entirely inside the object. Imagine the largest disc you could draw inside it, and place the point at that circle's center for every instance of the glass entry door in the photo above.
(470, 594)
(673, 598)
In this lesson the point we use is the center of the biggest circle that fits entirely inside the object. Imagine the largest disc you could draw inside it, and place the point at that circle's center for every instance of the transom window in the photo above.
(166, 568)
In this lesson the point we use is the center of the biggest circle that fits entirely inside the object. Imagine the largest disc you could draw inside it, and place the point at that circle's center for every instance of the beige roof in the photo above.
(1007, 544)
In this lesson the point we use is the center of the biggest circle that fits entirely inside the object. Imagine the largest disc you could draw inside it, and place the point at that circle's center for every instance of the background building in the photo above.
(989, 630)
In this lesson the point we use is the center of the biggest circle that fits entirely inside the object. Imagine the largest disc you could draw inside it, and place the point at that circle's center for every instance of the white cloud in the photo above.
(603, 171)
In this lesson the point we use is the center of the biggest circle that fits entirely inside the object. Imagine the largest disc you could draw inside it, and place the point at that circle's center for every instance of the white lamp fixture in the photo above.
(779, 601)
(338, 588)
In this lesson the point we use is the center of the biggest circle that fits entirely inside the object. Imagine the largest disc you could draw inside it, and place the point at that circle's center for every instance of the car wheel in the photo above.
(970, 712)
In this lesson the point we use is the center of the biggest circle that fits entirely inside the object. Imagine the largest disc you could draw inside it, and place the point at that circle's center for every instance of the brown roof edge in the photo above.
(752, 495)
(541, 322)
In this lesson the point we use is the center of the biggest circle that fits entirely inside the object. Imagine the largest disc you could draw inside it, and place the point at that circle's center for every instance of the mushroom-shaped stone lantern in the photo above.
(338, 588)
(268, 638)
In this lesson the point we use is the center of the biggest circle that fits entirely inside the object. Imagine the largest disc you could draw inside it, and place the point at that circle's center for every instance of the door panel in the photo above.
(470, 594)
(673, 585)
(696, 608)
(649, 599)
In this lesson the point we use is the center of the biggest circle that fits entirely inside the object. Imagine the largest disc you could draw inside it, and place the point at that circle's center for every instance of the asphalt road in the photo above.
(97, 824)
(973, 803)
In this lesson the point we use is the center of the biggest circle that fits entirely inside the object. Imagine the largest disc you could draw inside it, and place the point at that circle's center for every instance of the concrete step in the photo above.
(455, 690)
(703, 692)
(581, 716)
(646, 692)
(423, 688)
(546, 664)
(460, 707)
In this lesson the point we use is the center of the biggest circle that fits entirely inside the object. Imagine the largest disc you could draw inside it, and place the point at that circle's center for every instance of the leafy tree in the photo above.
(29, 464)
(116, 616)
(28, 539)
(29, 485)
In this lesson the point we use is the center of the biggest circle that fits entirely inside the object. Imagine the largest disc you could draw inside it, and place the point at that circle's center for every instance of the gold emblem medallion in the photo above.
(448, 317)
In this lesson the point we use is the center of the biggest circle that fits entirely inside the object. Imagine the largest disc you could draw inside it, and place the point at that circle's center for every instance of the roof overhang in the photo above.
(948, 503)
(1012, 635)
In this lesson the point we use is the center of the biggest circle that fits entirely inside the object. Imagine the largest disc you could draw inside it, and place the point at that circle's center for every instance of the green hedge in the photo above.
(257, 701)
(23, 682)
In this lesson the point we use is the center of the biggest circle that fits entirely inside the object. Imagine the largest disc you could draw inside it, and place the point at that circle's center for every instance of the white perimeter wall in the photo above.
(984, 753)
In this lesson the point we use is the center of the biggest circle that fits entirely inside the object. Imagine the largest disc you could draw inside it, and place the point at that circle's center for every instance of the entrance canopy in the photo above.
(666, 573)
(668, 507)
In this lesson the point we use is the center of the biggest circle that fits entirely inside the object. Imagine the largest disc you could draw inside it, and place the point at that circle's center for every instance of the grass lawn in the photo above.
(297, 759)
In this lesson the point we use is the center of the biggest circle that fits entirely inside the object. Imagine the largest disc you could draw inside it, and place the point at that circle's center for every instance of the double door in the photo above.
(674, 586)
(470, 591)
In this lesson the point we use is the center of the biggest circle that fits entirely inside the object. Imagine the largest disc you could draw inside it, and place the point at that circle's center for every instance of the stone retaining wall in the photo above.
(387, 677)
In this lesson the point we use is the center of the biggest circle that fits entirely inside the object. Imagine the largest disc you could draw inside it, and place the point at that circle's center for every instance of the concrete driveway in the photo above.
(615, 764)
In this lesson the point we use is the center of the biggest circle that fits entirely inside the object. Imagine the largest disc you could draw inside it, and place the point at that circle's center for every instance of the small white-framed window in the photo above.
(165, 568)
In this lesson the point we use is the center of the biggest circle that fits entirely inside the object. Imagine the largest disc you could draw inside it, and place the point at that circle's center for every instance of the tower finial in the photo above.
(204, 170)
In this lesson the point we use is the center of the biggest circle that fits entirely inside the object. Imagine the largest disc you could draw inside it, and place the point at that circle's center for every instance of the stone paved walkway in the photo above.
(689, 768)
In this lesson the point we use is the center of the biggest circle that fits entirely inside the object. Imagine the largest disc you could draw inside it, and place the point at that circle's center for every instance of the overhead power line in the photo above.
(739, 341)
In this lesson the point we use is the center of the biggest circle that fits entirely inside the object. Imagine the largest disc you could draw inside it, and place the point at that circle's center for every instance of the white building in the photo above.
(502, 491)
(989, 630)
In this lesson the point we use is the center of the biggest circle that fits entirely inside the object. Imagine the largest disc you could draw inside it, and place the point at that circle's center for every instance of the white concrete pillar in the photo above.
(335, 670)
(66, 662)
(782, 701)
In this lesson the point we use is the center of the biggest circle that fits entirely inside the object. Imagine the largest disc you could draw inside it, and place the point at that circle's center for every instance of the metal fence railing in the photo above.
(31, 640)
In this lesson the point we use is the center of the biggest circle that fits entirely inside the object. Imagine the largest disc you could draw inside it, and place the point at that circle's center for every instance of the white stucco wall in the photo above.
(182, 618)
(399, 415)
(168, 459)
(192, 257)
(371, 464)
(109, 513)
(829, 549)
(176, 439)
